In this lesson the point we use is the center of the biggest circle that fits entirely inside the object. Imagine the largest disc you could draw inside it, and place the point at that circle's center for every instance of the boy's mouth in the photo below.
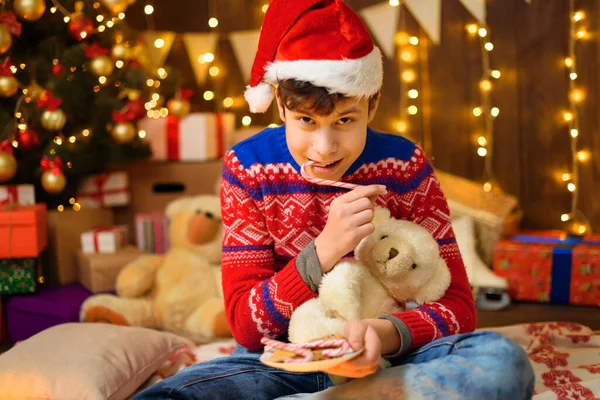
(326, 168)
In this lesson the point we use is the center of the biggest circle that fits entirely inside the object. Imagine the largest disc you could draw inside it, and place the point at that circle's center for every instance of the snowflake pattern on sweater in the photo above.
(270, 214)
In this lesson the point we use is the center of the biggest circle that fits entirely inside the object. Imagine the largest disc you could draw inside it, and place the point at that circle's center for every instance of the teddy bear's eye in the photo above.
(414, 266)
(198, 211)
(383, 237)
(209, 215)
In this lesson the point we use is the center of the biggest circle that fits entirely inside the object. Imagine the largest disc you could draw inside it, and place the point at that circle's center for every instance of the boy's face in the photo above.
(335, 140)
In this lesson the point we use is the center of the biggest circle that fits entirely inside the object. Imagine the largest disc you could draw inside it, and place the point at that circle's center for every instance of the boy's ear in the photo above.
(373, 104)
(280, 107)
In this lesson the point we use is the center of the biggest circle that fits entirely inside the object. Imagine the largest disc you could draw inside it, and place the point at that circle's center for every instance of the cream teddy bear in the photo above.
(179, 291)
(399, 262)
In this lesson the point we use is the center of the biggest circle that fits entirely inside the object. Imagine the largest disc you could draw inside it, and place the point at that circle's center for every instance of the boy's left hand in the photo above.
(360, 335)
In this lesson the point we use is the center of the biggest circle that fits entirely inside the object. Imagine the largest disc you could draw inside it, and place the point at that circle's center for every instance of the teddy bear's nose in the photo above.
(393, 253)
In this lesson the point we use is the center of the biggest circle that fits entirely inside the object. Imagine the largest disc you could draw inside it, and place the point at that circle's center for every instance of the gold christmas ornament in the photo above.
(29, 10)
(8, 166)
(123, 132)
(115, 6)
(102, 66)
(120, 52)
(34, 91)
(5, 39)
(54, 120)
(8, 86)
(178, 107)
(53, 183)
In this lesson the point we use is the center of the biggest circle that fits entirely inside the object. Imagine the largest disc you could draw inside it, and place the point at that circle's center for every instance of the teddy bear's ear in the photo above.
(177, 206)
(381, 215)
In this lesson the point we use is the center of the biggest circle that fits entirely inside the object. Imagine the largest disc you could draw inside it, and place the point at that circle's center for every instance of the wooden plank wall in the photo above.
(532, 140)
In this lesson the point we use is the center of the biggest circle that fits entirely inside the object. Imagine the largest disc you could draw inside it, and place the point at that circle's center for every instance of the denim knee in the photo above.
(517, 366)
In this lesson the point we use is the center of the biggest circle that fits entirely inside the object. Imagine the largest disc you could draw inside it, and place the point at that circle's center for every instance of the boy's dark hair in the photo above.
(304, 96)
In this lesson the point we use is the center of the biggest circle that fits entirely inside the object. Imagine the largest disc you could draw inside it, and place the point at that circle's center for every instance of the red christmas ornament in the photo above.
(136, 107)
(57, 68)
(80, 27)
(27, 139)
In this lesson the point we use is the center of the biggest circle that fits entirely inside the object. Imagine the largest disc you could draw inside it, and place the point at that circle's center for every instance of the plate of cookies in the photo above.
(317, 355)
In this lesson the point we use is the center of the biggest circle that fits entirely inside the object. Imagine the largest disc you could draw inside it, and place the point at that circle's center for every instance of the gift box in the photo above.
(23, 231)
(104, 240)
(152, 232)
(23, 195)
(196, 137)
(109, 189)
(31, 314)
(98, 272)
(64, 240)
(19, 275)
(550, 267)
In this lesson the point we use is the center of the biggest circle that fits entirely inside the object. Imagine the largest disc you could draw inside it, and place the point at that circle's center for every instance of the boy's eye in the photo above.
(305, 120)
(345, 120)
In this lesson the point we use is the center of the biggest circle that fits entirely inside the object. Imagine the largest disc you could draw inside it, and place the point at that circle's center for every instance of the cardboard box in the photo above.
(156, 184)
(98, 272)
(23, 231)
(28, 315)
(65, 229)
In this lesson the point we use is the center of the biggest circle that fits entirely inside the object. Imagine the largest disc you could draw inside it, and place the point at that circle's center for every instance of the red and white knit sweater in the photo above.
(270, 214)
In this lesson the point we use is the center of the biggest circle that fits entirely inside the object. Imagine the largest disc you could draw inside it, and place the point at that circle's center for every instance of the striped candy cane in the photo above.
(306, 354)
(324, 182)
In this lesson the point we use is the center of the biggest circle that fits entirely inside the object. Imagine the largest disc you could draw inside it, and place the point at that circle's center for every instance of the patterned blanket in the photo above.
(565, 357)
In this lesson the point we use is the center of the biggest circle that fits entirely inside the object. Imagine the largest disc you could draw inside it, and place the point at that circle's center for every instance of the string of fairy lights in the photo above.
(486, 110)
(408, 57)
(578, 222)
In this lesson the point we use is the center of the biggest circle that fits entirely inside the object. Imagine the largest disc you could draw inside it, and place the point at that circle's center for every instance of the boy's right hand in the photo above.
(350, 220)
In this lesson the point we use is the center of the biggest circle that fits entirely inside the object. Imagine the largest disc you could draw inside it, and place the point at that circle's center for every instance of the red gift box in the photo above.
(23, 231)
(550, 267)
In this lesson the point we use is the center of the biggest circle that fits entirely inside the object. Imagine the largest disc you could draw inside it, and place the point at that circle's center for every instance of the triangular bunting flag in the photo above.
(428, 14)
(197, 45)
(164, 40)
(476, 8)
(245, 45)
(382, 20)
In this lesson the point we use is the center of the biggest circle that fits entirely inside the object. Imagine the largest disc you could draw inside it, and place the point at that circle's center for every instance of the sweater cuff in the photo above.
(309, 267)
(290, 284)
(405, 337)
(421, 331)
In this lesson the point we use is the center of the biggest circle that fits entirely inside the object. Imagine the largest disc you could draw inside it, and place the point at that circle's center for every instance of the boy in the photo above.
(282, 233)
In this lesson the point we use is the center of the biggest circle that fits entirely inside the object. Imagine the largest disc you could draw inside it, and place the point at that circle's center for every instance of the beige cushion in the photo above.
(84, 361)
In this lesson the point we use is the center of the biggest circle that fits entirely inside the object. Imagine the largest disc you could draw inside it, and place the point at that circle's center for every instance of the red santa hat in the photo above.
(322, 42)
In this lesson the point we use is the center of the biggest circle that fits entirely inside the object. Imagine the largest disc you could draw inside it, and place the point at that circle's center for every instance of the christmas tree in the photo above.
(74, 79)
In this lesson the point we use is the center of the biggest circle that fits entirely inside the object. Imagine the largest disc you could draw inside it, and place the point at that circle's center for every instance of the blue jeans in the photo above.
(480, 365)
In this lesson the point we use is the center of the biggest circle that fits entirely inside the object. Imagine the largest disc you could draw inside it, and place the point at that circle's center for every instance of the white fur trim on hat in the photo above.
(361, 77)
(259, 97)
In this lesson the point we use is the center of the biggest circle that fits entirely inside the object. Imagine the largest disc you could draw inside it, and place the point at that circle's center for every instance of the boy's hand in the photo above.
(350, 220)
(361, 336)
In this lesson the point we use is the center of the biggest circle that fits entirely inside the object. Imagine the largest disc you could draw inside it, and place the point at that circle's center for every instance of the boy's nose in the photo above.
(325, 144)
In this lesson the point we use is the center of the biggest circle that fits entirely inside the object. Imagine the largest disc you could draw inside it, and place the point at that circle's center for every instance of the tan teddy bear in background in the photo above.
(399, 262)
(179, 291)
